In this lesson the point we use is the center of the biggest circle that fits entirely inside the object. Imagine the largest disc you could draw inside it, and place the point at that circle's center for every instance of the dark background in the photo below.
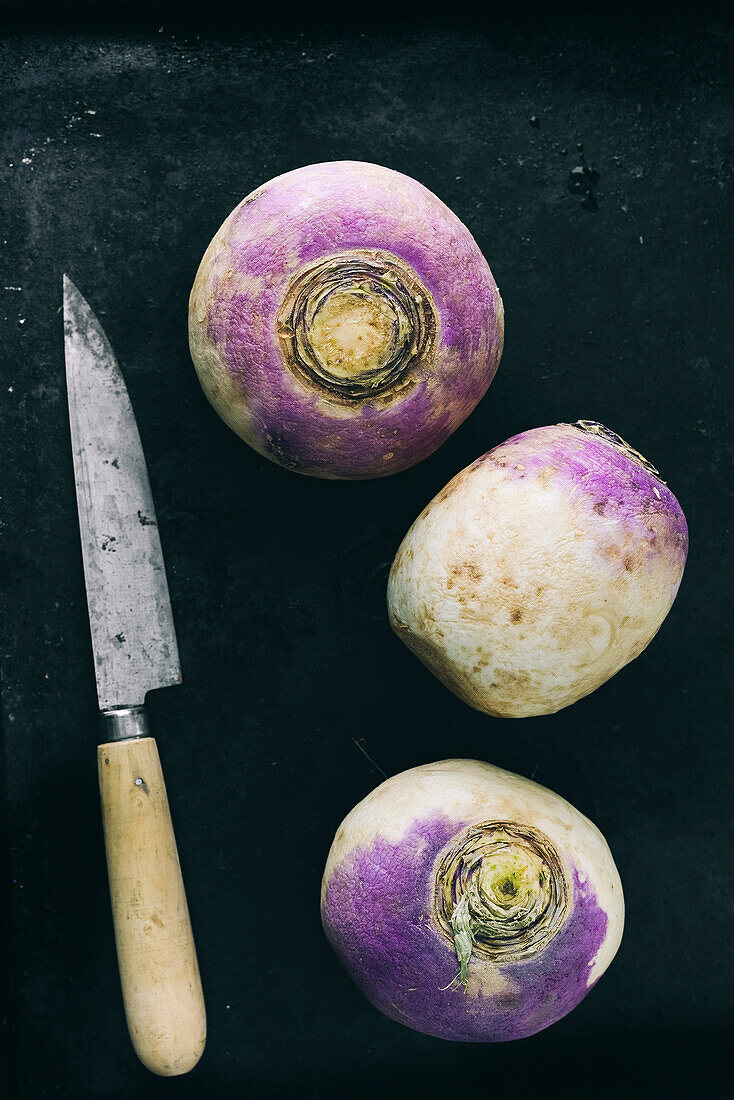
(128, 135)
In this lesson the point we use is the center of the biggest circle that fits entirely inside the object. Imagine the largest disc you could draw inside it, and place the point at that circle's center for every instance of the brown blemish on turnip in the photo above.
(510, 684)
(443, 495)
(610, 552)
(253, 197)
(545, 476)
(466, 569)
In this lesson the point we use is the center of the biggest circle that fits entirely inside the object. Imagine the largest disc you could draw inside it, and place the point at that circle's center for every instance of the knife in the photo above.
(135, 651)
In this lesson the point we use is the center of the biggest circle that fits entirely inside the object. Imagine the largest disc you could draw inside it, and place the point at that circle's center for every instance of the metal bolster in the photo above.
(124, 724)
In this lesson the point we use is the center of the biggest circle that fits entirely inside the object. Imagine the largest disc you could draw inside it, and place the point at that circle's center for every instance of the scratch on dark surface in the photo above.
(364, 752)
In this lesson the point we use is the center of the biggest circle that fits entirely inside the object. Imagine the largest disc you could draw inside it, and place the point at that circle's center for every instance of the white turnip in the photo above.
(540, 570)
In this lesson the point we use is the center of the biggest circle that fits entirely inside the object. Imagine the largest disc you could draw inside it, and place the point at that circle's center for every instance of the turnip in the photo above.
(540, 570)
(344, 322)
(469, 903)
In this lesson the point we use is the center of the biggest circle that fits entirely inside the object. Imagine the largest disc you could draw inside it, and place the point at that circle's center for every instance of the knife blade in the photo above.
(135, 651)
(133, 637)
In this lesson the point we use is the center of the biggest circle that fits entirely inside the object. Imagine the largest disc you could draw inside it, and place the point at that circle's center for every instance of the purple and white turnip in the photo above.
(540, 570)
(344, 322)
(471, 904)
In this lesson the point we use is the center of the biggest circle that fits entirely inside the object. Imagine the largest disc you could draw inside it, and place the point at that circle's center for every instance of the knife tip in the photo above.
(68, 285)
(71, 294)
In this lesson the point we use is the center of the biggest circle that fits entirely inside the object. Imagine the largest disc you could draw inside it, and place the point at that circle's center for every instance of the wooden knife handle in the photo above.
(161, 987)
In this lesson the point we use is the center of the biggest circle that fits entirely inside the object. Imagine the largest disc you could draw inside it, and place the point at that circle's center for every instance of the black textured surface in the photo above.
(122, 151)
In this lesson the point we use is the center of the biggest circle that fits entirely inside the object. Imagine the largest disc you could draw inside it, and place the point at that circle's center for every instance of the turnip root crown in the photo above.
(502, 893)
(357, 324)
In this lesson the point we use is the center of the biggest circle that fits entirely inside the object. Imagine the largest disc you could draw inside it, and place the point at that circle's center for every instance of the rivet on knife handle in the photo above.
(161, 987)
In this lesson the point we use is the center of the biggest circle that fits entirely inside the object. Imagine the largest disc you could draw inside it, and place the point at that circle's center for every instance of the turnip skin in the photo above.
(274, 235)
(378, 910)
(540, 570)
